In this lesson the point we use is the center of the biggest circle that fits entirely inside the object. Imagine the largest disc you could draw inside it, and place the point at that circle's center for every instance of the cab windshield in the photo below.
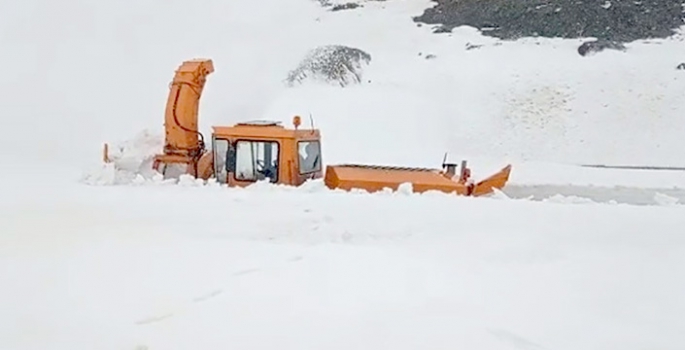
(256, 160)
(250, 160)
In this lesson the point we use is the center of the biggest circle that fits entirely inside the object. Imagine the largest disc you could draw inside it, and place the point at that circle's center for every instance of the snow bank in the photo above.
(130, 162)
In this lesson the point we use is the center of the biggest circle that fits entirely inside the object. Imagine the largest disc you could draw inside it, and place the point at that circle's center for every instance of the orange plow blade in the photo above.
(495, 181)
(374, 178)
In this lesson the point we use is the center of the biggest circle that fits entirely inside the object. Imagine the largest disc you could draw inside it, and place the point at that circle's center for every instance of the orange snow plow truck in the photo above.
(252, 151)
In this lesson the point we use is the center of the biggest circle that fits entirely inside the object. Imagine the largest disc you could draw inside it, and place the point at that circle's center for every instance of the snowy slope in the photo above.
(183, 266)
(101, 74)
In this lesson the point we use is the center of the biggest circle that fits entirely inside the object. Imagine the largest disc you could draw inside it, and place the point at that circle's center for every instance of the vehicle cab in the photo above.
(258, 150)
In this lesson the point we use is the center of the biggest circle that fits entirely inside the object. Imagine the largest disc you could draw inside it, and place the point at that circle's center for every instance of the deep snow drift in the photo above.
(151, 265)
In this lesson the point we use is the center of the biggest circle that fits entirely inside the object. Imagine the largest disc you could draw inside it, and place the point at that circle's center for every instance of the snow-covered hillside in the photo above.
(83, 74)
(180, 266)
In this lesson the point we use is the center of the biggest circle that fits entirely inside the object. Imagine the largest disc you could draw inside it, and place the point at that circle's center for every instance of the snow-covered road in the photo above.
(172, 267)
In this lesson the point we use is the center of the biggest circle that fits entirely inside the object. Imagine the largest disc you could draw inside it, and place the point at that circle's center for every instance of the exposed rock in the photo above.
(346, 6)
(470, 46)
(337, 5)
(594, 46)
(614, 20)
(337, 64)
(429, 56)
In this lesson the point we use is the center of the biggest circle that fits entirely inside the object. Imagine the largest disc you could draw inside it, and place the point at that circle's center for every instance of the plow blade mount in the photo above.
(376, 178)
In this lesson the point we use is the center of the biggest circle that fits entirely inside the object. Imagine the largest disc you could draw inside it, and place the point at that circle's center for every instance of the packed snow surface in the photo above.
(173, 267)
(113, 257)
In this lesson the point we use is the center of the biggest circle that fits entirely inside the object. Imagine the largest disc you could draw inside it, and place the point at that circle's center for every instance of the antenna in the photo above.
(311, 120)
(444, 160)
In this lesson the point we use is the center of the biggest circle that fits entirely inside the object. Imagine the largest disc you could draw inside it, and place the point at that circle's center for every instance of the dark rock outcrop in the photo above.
(612, 20)
(594, 46)
(336, 64)
(345, 6)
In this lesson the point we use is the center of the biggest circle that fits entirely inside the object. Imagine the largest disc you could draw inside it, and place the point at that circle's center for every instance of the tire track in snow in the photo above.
(206, 296)
(597, 194)
(515, 340)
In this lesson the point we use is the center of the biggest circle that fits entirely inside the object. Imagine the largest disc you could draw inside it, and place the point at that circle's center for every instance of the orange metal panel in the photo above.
(376, 178)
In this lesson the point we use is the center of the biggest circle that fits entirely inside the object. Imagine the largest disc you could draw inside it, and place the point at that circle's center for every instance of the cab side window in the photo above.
(310, 156)
(220, 147)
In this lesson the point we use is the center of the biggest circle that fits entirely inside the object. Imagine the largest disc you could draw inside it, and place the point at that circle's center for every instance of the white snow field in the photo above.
(565, 258)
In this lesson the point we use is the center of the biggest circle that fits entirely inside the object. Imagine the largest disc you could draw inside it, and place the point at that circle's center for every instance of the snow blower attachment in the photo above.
(252, 151)
(184, 145)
